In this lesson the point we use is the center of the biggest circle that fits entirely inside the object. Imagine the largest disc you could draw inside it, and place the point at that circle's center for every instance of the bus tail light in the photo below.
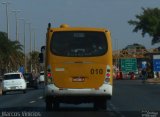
(107, 75)
(49, 76)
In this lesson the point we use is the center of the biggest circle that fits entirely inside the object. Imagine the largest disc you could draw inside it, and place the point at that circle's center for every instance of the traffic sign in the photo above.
(129, 65)
(156, 65)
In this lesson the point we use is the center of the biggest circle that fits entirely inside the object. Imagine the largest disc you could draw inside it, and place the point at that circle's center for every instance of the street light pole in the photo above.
(16, 11)
(117, 53)
(24, 46)
(34, 41)
(6, 3)
(30, 44)
(24, 42)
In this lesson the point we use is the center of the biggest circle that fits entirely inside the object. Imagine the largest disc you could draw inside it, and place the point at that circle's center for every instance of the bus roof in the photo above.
(68, 28)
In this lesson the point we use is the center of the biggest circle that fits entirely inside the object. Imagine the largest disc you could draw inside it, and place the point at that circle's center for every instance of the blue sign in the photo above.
(144, 64)
(21, 69)
(156, 65)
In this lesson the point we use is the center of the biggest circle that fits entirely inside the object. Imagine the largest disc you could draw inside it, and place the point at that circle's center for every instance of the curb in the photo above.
(153, 81)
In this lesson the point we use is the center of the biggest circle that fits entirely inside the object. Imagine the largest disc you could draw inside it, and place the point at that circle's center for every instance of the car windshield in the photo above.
(41, 73)
(79, 43)
(11, 76)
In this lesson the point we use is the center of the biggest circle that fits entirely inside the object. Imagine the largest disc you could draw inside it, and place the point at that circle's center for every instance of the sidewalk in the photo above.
(153, 81)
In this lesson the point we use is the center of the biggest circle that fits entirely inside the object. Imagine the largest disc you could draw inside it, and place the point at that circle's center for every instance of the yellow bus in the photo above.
(78, 66)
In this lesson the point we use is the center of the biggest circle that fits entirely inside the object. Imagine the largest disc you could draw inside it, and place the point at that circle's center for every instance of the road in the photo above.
(130, 98)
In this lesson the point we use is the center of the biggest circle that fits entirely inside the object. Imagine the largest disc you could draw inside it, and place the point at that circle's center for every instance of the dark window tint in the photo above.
(79, 43)
(41, 73)
(12, 76)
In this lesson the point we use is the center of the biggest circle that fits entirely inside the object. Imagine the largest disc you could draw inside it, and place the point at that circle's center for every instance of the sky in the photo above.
(111, 14)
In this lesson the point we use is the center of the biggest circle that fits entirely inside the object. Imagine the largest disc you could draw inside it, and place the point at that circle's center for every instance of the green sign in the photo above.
(129, 65)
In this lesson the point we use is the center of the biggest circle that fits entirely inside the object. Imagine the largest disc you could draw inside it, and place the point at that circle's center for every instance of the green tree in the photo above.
(149, 23)
(34, 61)
(10, 53)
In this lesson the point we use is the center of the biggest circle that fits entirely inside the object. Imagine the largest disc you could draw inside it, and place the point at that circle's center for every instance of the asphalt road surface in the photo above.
(131, 98)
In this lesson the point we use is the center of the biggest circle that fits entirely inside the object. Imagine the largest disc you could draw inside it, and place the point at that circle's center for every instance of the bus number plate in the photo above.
(78, 79)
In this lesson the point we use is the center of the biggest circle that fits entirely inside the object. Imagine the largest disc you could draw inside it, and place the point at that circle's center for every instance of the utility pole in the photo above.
(24, 41)
(30, 32)
(16, 12)
(7, 18)
(34, 40)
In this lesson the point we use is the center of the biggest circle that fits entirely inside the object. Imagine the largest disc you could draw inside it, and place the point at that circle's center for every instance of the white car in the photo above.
(41, 77)
(13, 82)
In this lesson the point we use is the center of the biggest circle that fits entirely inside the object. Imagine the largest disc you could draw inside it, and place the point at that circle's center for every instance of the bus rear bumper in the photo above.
(104, 90)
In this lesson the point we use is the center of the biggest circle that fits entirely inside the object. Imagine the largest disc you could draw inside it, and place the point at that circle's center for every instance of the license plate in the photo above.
(78, 79)
(13, 87)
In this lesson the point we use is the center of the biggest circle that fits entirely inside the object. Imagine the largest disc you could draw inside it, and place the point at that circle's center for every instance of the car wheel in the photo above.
(24, 91)
(36, 87)
(3, 93)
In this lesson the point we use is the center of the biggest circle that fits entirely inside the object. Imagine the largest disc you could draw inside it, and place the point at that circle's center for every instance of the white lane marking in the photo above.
(32, 102)
(41, 97)
(115, 109)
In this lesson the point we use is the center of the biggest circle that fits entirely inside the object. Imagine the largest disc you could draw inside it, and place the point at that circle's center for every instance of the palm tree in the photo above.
(10, 53)
(148, 23)
(34, 60)
(16, 57)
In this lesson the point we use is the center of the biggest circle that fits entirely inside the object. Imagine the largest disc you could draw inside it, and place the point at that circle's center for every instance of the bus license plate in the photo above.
(78, 79)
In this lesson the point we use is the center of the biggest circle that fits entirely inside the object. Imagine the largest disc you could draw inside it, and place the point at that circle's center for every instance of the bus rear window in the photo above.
(79, 43)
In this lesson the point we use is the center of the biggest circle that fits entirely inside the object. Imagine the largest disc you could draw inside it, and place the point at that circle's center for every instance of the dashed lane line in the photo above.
(41, 97)
(32, 102)
(115, 109)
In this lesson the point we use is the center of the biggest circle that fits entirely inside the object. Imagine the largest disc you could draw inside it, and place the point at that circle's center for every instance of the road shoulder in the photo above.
(154, 81)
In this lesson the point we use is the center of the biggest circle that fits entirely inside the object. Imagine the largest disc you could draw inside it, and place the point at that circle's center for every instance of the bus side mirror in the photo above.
(41, 59)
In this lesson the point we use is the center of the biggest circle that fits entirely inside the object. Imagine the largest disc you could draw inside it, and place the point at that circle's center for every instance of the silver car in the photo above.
(13, 82)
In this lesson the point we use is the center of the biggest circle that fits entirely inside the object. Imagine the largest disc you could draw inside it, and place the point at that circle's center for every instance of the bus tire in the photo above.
(100, 104)
(55, 105)
(49, 104)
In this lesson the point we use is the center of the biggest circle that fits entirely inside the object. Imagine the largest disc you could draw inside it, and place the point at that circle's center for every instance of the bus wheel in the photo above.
(55, 105)
(48, 104)
(100, 104)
